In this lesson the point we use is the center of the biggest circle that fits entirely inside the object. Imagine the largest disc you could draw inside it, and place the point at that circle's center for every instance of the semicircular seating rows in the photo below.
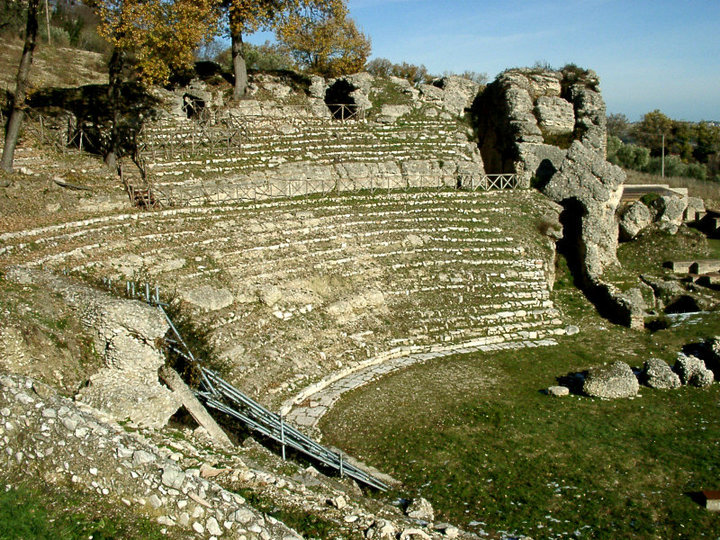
(294, 289)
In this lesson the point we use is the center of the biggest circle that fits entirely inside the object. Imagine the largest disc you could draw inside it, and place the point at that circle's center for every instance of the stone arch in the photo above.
(340, 101)
(193, 106)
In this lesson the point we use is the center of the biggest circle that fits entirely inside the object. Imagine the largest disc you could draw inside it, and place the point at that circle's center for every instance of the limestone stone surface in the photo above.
(658, 374)
(458, 93)
(595, 187)
(633, 219)
(671, 212)
(554, 114)
(613, 381)
(125, 334)
(693, 372)
(209, 298)
(421, 509)
(390, 113)
(558, 391)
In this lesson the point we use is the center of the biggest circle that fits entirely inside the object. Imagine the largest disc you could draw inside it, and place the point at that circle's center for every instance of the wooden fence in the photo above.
(286, 188)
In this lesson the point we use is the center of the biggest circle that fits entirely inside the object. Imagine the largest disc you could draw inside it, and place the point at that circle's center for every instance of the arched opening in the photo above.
(338, 99)
(544, 173)
(571, 245)
(193, 106)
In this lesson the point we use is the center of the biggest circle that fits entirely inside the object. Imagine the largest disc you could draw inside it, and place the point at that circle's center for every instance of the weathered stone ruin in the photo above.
(549, 128)
(658, 374)
(613, 381)
(527, 118)
(307, 136)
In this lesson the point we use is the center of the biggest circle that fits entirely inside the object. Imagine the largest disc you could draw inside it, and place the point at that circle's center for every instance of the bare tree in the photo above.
(12, 129)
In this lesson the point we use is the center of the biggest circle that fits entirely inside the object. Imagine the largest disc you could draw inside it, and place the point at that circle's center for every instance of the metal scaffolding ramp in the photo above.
(218, 394)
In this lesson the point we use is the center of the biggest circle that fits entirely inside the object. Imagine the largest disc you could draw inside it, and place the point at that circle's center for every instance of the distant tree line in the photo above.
(692, 149)
(382, 67)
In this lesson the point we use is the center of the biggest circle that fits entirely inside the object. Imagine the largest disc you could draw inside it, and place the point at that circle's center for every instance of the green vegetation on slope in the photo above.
(42, 513)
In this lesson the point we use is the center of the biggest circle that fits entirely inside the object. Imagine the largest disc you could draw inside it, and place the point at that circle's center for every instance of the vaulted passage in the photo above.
(338, 99)
(571, 245)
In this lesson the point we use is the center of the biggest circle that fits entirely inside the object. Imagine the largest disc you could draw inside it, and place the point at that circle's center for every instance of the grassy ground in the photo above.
(42, 513)
(477, 436)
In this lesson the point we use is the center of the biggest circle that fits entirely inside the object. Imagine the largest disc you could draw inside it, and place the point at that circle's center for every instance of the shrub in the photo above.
(633, 157)
(382, 67)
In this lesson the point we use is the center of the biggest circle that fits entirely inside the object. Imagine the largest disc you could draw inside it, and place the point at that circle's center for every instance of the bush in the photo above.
(613, 145)
(633, 157)
(628, 156)
(674, 166)
(697, 170)
(382, 67)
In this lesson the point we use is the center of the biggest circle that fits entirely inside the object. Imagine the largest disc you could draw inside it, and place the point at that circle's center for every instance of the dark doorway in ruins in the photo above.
(571, 245)
(338, 99)
(193, 107)
(544, 174)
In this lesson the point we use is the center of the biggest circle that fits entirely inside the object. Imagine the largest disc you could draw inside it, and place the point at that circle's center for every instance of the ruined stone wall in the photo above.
(280, 138)
(526, 119)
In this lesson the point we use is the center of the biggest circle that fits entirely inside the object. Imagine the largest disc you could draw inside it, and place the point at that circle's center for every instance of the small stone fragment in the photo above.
(213, 527)
(558, 391)
(421, 509)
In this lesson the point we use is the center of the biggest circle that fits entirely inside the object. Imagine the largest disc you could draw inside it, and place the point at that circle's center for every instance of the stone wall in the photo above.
(526, 119)
(282, 136)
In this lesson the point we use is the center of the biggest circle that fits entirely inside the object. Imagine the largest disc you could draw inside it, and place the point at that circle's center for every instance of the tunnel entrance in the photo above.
(193, 107)
(341, 104)
(571, 245)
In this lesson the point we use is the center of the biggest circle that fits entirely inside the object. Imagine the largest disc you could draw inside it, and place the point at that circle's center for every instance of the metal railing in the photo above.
(218, 394)
(221, 396)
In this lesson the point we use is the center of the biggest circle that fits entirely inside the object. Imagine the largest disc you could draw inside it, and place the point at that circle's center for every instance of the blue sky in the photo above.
(661, 54)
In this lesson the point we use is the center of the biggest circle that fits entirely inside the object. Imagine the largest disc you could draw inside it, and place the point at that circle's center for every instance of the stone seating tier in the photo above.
(180, 148)
(292, 288)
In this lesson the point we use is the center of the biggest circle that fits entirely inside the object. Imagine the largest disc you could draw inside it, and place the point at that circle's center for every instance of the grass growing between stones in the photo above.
(41, 513)
(305, 523)
(477, 436)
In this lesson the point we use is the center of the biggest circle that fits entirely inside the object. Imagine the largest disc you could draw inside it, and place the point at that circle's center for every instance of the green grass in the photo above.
(476, 435)
(42, 513)
(386, 92)
(308, 525)
(651, 249)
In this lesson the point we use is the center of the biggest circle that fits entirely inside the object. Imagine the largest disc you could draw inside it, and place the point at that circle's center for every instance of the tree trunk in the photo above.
(12, 130)
(238, 60)
(115, 68)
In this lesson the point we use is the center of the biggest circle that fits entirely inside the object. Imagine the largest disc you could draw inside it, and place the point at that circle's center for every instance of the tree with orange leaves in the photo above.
(161, 35)
(248, 16)
(330, 46)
